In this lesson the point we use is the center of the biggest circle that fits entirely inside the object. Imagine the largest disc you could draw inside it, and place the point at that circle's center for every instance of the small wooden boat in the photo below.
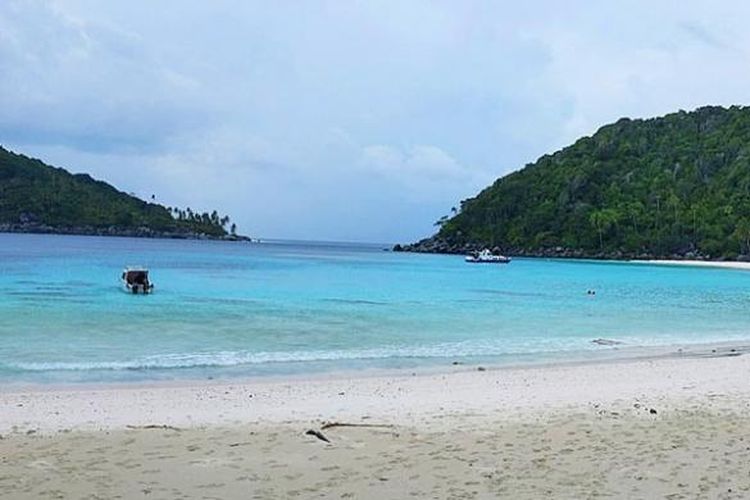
(135, 280)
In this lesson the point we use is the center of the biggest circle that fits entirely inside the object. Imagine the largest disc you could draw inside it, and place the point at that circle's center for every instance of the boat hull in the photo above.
(138, 289)
(481, 261)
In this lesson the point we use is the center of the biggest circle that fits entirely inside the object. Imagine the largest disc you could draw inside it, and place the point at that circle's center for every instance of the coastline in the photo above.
(426, 247)
(395, 395)
(603, 351)
(631, 428)
(618, 420)
(112, 232)
(745, 266)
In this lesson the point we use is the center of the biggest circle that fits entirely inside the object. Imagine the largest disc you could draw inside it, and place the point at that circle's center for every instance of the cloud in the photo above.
(91, 86)
(345, 120)
(425, 163)
(703, 35)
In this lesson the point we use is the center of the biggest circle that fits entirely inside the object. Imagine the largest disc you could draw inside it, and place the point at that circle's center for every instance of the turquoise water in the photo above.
(234, 309)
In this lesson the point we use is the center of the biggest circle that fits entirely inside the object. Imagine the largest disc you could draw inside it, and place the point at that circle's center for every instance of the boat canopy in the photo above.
(135, 275)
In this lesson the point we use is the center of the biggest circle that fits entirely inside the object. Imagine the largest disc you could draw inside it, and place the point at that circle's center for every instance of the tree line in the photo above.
(674, 185)
(35, 194)
(213, 218)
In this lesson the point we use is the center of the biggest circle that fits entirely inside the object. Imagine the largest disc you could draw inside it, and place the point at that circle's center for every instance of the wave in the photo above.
(466, 349)
(356, 302)
(225, 359)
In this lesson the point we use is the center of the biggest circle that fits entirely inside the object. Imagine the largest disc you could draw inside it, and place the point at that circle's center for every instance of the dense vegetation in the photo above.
(678, 185)
(37, 197)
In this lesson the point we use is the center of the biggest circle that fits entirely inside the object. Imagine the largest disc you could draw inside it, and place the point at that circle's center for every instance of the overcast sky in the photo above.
(348, 120)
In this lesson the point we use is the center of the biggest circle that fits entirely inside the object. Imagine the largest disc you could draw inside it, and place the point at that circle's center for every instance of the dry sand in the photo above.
(574, 431)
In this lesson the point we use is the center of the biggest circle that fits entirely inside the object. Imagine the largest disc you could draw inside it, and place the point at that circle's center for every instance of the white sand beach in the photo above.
(671, 427)
(729, 264)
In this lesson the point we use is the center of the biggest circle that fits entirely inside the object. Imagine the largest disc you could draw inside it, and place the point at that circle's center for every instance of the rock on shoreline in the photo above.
(442, 246)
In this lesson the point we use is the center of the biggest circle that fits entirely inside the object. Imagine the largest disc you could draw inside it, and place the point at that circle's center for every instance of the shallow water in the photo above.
(226, 309)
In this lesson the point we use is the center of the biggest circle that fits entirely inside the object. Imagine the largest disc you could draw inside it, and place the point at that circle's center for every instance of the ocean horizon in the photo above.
(228, 310)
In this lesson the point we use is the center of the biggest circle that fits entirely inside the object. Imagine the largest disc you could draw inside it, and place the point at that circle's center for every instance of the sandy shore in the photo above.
(698, 263)
(668, 427)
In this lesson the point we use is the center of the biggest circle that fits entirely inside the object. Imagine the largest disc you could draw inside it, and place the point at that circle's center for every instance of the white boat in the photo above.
(135, 280)
(487, 257)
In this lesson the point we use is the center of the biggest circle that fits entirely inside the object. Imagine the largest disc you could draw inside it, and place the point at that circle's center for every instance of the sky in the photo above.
(347, 120)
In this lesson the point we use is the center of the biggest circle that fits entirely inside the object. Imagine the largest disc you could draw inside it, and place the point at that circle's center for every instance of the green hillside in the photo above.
(35, 197)
(677, 185)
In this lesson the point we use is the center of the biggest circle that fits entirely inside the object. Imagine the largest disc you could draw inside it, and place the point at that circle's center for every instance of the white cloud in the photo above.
(614, 60)
(334, 119)
(429, 163)
(93, 86)
(382, 158)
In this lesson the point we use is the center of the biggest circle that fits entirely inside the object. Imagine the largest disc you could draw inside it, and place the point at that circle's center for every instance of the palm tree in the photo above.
(742, 234)
(602, 220)
(442, 220)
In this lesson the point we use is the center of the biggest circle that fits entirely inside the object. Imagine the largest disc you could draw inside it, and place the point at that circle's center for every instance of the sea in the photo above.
(227, 310)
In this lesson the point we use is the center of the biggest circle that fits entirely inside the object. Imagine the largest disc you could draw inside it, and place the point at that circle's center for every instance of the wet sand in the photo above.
(666, 428)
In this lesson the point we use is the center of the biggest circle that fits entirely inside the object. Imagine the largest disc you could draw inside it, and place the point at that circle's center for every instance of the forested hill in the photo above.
(35, 197)
(674, 186)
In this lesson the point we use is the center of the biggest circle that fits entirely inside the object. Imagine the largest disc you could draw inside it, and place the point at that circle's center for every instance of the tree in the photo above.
(742, 234)
(34, 194)
(672, 190)
(602, 220)
(633, 211)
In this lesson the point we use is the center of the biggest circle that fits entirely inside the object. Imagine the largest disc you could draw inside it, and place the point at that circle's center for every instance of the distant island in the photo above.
(38, 198)
(673, 187)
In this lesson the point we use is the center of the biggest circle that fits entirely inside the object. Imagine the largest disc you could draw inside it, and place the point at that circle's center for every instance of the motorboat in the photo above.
(487, 257)
(135, 280)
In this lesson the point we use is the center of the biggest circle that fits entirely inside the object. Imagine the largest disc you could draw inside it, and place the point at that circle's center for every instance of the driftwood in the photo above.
(317, 434)
(328, 425)
(154, 426)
